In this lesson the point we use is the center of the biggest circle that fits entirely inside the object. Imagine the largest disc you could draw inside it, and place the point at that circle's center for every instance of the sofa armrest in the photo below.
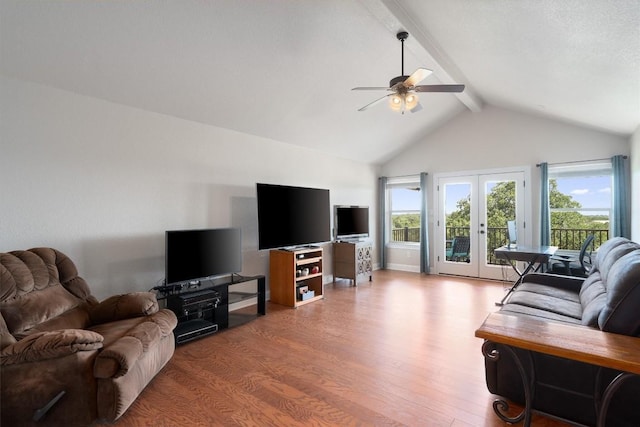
(556, 280)
(124, 306)
(118, 358)
(50, 345)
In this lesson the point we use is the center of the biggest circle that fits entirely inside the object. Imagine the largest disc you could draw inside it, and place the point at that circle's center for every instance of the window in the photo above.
(404, 205)
(579, 203)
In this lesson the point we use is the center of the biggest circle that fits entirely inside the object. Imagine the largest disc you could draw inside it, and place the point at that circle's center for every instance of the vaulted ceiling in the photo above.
(284, 69)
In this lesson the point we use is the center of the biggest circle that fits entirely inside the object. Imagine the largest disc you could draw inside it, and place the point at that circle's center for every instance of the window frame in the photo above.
(410, 183)
(584, 169)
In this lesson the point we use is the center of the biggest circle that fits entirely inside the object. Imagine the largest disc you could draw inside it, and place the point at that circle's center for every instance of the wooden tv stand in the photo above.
(285, 275)
(353, 260)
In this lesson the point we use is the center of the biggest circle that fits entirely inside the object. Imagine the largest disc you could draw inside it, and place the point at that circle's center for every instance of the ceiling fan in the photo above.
(404, 88)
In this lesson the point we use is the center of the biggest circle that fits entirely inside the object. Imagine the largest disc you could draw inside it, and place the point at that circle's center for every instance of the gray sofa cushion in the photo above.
(593, 297)
(610, 251)
(621, 313)
(613, 257)
(593, 294)
(546, 301)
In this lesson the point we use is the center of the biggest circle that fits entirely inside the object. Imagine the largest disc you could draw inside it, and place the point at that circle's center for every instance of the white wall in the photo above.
(498, 138)
(102, 182)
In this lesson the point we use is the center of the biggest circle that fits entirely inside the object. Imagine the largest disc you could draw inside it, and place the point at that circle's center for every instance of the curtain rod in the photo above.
(578, 161)
(405, 176)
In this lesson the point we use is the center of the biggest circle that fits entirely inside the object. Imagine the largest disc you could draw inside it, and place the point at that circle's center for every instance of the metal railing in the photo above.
(572, 239)
(405, 234)
(565, 239)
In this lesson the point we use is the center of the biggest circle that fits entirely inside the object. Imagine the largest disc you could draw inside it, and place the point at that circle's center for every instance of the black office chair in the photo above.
(569, 265)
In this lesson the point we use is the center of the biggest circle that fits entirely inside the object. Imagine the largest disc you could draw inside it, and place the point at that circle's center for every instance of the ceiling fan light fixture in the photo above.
(403, 101)
(396, 102)
(411, 101)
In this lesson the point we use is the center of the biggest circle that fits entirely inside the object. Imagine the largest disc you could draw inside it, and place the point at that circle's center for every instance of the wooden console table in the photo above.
(574, 342)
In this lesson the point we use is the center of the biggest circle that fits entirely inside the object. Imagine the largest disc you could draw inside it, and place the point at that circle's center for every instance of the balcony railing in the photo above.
(405, 234)
(565, 239)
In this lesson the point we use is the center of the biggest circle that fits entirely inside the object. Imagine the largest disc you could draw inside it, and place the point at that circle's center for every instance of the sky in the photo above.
(590, 192)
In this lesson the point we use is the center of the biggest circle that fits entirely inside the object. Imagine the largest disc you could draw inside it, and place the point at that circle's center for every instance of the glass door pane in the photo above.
(457, 212)
(500, 203)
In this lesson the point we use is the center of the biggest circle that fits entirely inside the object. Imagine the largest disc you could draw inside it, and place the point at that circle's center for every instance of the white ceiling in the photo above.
(284, 69)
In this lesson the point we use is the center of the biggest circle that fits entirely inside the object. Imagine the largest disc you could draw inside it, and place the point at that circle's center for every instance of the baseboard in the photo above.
(404, 267)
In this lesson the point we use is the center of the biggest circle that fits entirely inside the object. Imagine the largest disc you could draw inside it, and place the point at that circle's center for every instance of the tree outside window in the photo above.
(579, 206)
(405, 214)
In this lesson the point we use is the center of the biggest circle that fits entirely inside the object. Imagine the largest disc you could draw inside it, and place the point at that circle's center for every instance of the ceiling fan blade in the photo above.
(418, 75)
(370, 88)
(371, 104)
(440, 88)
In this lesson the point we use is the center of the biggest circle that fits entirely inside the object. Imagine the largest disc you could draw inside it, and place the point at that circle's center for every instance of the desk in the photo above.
(573, 342)
(534, 256)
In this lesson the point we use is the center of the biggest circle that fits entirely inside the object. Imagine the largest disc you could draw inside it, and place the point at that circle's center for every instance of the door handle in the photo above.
(481, 231)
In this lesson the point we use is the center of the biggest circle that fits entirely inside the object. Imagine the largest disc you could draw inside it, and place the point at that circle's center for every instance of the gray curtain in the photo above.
(382, 211)
(620, 224)
(545, 216)
(424, 230)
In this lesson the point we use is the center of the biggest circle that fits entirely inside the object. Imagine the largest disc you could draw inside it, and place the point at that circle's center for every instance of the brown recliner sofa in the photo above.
(65, 358)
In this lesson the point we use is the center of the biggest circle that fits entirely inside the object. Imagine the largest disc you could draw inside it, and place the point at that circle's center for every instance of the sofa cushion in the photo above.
(592, 298)
(39, 285)
(545, 301)
(608, 246)
(126, 340)
(537, 312)
(76, 318)
(612, 257)
(25, 312)
(553, 292)
(621, 312)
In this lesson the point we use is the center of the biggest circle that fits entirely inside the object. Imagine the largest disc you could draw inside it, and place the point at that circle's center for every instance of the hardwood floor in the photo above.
(398, 351)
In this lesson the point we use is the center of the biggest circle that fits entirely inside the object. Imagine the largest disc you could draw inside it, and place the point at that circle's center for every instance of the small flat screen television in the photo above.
(351, 222)
(198, 254)
(292, 216)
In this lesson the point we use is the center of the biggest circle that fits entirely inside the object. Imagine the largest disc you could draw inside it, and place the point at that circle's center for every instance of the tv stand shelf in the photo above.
(286, 275)
(215, 306)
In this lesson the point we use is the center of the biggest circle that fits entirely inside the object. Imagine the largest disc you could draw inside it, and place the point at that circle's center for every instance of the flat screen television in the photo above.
(292, 216)
(198, 254)
(351, 222)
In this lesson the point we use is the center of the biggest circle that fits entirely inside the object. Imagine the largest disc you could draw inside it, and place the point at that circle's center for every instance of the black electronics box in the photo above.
(200, 313)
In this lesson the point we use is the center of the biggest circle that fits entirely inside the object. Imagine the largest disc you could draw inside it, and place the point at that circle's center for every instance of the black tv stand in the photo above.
(213, 306)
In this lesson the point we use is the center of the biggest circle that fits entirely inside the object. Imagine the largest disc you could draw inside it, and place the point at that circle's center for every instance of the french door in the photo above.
(473, 211)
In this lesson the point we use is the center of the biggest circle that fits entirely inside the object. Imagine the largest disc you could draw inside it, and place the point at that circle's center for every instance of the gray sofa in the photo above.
(607, 299)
